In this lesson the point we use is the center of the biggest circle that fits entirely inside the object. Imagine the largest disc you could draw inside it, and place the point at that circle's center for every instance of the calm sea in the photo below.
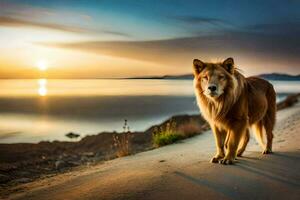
(36, 110)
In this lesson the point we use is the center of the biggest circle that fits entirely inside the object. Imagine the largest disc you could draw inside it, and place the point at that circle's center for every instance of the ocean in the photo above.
(35, 110)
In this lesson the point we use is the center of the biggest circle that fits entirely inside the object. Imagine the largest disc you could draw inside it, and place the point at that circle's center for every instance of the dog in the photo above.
(232, 104)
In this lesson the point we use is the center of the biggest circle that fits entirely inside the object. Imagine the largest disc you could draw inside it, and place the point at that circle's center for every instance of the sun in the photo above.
(42, 65)
(42, 90)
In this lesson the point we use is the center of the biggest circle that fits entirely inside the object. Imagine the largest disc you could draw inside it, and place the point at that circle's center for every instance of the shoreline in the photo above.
(26, 162)
(22, 163)
(183, 171)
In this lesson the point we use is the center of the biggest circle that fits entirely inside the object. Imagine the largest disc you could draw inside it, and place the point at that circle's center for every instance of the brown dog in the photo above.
(231, 104)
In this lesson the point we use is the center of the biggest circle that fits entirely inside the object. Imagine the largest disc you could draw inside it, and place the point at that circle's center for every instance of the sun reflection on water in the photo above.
(42, 90)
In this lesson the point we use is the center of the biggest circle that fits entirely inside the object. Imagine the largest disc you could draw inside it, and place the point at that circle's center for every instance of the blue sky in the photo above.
(158, 19)
(153, 37)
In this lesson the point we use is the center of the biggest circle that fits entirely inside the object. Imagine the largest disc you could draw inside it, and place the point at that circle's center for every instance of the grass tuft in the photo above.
(166, 135)
(165, 139)
(171, 133)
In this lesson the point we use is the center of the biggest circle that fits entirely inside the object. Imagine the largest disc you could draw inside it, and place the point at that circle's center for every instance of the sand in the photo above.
(183, 171)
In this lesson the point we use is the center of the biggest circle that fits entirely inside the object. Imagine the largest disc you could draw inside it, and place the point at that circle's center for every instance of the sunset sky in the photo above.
(127, 38)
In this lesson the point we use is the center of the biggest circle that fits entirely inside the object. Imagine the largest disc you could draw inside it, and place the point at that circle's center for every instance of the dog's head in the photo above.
(212, 78)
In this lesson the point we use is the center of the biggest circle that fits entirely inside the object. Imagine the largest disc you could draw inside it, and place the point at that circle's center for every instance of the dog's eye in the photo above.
(221, 77)
(205, 77)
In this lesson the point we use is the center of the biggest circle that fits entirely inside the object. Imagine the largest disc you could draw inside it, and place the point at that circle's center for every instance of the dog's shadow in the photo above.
(273, 167)
(252, 172)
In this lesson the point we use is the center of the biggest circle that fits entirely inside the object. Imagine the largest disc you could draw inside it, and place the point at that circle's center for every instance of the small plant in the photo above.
(164, 136)
(121, 141)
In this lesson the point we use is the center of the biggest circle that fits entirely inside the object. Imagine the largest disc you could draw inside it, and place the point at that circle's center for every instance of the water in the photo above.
(35, 110)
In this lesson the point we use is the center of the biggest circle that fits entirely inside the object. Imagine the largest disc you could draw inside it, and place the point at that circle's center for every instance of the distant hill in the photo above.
(168, 77)
(280, 77)
(272, 76)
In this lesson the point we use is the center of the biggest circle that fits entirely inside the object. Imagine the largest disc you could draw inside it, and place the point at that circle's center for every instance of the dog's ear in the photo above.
(228, 64)
(198, 66)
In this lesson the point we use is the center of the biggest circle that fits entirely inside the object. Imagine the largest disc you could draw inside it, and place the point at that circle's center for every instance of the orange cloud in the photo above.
(8, 21)
(255, 51)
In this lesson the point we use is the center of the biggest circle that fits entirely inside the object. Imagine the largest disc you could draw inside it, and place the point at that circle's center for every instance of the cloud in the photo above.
(259, 50)
(218, 44)
(286, 28)
(13, 22)
(8, 21)
(19, 15)
(116, 33)
(209, 22)
(200, 25)
(26, 11)
(199, 20)
(23, 10)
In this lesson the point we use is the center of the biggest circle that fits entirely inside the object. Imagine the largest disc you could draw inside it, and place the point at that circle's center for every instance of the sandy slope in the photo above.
(182, 171)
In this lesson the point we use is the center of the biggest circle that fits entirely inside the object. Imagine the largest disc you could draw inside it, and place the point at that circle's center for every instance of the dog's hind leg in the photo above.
(243, 143)
(269, 119)
(268, 125)
(268, 148)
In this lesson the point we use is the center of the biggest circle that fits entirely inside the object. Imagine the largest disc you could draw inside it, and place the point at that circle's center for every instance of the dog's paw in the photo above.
(215, 160)
(267, 151)
(240, 154)
(226, 161)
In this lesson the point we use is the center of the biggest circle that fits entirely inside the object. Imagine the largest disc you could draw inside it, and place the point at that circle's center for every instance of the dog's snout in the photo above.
(212, 88)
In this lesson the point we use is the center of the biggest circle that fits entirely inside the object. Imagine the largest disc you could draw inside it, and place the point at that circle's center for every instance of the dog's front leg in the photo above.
(235, 134)
(220, 136)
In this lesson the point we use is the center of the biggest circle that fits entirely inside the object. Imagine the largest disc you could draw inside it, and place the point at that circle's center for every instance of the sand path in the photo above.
(182, 171)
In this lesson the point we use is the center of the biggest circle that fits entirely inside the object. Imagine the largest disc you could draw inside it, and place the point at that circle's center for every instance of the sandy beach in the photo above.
(183, 171)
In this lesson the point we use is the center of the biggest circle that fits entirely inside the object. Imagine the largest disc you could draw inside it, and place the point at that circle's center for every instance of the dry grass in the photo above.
(121, 141)
(189, 129)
